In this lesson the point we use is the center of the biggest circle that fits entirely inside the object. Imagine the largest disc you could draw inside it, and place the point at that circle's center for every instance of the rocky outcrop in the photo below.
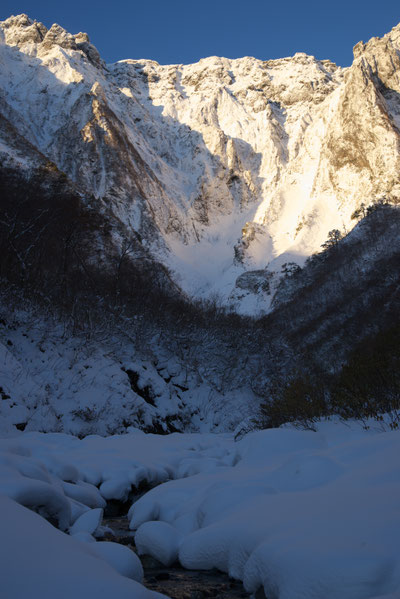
(361, 158)
(21, 30)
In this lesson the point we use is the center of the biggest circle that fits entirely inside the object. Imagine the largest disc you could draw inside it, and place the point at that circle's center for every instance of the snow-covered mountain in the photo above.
(216, 169)
(130, 193)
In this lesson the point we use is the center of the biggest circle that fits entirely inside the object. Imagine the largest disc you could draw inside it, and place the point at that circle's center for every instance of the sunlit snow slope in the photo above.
(220, 167)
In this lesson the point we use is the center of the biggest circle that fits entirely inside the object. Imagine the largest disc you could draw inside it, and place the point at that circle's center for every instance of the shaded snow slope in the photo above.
(291, 513)
(53, 380)
(220, 167)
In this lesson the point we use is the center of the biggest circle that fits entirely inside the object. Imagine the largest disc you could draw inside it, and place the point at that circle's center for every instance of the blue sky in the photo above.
(183, 31)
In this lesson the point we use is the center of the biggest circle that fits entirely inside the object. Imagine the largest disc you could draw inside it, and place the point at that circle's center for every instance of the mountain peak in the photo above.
(375, 42)
(20, 29)
(24, 32)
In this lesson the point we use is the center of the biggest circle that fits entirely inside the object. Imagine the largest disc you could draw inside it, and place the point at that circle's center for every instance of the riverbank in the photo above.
(288, 513)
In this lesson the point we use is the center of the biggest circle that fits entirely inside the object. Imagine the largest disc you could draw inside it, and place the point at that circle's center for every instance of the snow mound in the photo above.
(84, 493)
(296, 513)
(46, 563)
(25, 481)
(120, 557)
(160, 540)
(88, 522)
(301, 514)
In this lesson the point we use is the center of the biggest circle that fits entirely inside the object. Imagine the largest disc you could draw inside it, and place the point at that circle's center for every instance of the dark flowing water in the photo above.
(175, 581)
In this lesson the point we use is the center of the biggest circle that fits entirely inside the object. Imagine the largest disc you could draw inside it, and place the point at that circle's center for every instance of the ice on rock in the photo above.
(160, 540)
(88, 522)
(137, 475)
(120, 557)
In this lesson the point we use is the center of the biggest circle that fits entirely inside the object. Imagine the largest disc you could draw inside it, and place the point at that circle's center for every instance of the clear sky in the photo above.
(183, 31)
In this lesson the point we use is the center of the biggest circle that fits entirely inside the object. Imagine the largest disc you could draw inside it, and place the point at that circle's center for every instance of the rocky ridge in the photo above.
(217, 169)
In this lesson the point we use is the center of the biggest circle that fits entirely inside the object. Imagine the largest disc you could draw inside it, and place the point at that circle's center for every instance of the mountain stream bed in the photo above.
(174, 581)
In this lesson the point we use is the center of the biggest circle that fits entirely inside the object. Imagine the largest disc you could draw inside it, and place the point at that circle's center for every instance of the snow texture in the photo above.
(297, 513)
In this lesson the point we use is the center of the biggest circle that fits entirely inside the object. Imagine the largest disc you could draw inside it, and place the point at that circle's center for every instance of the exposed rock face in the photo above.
(254, 281)
(362, 143)
(21, 30)
(220, 167)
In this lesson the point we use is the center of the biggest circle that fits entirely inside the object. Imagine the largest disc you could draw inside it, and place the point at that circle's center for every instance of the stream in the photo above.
(174, 581)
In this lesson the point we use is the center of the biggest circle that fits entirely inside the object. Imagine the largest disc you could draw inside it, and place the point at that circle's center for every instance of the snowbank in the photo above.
(58, 476)
(297, 513)
(37, 560)
(301, 515)
(120, 463)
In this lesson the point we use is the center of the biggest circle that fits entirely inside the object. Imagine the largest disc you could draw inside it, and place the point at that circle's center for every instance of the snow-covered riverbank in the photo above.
(299, 513)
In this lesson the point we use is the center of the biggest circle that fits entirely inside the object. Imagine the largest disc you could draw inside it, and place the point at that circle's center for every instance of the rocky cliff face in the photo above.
(219, 168)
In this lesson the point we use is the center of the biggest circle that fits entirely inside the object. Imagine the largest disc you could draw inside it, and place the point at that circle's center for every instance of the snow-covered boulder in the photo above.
(88, 522)
(160, 540)
(120, 557)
